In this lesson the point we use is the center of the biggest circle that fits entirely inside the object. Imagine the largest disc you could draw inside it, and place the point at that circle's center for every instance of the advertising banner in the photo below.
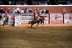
(1, 22)
(56, 18)
(17, 20)
(67, 18)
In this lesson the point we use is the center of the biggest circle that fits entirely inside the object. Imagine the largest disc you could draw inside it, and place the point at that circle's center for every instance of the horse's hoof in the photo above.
(31, 27)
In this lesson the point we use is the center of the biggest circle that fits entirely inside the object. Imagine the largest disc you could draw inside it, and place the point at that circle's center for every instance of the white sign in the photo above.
(26, 19)
(67, 18)
(56, 18)
(17, 20)
(1, 22)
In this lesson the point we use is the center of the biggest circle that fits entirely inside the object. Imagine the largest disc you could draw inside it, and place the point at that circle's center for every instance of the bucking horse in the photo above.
(36, 21)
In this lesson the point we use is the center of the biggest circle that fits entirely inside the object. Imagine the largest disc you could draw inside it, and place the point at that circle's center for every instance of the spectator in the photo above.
(68, 2)
(43, 18)
(6, 2)
(9, 10)
(22, 2)
(10, 2)
(33, 2)
(7, 19)
(44, 3)
(42, 11)
(36, 3)
(25, 2)
(13, 19)
(71, 12)
(1, 10)
(18, 10)
(30, 10)
(13, 11)
(13, 2)
(1, 2)
(47, 11)
(35, 10)
(4, 20)
(38, 11)
(0, 17)
(22, 10)
(17, 2)
(26, 10)
(5, 11)
(64, 11)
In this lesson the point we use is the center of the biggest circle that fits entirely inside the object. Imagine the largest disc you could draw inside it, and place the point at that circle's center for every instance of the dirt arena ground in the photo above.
(43, 36)
(45, 25)
(40, 25)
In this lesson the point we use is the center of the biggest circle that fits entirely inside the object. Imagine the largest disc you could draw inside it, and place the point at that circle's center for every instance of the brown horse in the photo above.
(36, 21)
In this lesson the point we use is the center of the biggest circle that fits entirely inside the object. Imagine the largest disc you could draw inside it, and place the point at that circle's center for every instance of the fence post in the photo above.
(49, 18)
(34, 15)
(63, 18)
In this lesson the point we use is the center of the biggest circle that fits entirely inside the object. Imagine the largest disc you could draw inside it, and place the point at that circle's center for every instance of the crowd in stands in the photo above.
(22, 2)
(40, 2)
(13, 2)
(26, 10)
(34, 2)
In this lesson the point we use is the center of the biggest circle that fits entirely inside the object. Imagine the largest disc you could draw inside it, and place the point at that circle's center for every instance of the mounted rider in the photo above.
(37, 11)
(38, 17)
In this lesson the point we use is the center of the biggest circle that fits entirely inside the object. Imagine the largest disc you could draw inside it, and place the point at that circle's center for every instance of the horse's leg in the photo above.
(43, 22)
(37, 24)
(31, 25)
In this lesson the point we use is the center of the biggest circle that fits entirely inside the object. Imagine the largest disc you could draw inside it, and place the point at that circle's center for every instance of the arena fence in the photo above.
(50, 18)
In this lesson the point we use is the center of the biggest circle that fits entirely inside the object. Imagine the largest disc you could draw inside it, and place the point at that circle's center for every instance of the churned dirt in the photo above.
(59, 36)
(40, 25)
(45, 25)
(43, 36)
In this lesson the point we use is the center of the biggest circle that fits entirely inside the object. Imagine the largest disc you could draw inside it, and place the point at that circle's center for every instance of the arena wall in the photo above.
(52, 9)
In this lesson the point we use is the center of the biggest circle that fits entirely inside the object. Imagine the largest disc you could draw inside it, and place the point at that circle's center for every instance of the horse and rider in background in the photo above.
(37, 20)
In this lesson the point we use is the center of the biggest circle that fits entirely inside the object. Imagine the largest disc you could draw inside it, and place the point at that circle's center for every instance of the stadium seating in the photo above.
(13, 3)
(37, 2)
(62, 2)
(1, 2)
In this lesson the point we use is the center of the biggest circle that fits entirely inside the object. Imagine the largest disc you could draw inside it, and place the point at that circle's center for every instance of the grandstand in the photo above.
(35, 2)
